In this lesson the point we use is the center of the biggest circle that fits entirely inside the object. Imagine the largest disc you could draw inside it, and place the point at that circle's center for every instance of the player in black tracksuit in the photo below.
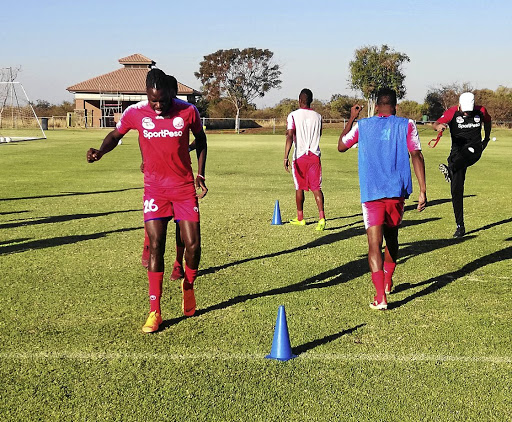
(465, 122)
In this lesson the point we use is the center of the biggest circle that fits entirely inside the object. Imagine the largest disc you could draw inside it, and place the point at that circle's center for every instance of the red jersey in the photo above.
(163, 142)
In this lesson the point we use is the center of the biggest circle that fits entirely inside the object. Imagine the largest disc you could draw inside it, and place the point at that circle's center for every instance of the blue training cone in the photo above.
(281, 349)
(276, 219)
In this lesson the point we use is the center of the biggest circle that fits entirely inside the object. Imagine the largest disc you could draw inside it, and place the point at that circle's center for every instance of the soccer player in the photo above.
(465, 122)
(384, 145)
(177, 270)
(163, 124)
(304, 128)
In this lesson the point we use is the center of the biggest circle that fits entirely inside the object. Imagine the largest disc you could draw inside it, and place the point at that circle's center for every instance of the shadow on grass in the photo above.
(303, 348)
(436, 283)
(339, 275)
(13, 212)
(61, 218)
(58, 241)
(8, 242)
(433, 203)
(489, 226)
(68, 194)
(349, 232)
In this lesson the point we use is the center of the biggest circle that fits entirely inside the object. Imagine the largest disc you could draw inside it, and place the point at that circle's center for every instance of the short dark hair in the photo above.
(157, 79)
(173, 83)
(306, 95)
(386, 96)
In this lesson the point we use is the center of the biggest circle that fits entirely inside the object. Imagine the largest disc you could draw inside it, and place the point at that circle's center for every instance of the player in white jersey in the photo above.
(304, 128)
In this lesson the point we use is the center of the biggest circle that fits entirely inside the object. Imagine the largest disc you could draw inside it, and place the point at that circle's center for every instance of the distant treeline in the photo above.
(498, 103)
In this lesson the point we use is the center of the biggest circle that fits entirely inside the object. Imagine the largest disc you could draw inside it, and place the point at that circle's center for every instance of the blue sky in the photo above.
(60, 43)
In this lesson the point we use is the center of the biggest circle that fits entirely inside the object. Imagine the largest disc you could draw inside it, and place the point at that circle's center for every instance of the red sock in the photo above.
(378, 282)
(180, 251)
(322, 215)
(389, 269)
(190, 276)
(300, 215)
(155, 290)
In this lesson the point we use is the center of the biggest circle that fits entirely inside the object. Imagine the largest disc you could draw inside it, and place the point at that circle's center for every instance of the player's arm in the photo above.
(287, 148)
(442, 123)
(354, 113)
(487, 127)
(418, 163)
(109, 143)
(201, 150)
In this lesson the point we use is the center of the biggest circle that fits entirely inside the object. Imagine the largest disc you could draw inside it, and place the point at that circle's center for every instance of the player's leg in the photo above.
(299, 201)
(393, 218)
(315, 184)
(457, 191)
(374, 235)
(191, 235)
(374, 218)
(145, 250)
(319, 199)
(156, 230)
(177, 270)
(299, 180)
(390, 256)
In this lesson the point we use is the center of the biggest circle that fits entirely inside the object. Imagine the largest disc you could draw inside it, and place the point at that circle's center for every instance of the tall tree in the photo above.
(238, 75)
(374, 68)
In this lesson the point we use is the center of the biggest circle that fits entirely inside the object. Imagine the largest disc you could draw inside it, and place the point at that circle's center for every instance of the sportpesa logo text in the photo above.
(164, 133)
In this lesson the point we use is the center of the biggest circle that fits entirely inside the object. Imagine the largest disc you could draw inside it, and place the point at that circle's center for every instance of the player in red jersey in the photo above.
(177, 269)
(163, 124)
(465, 122)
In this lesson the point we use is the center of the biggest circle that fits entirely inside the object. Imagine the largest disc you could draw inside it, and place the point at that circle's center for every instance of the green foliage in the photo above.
(238, 75)
(44, 108)
(374, 68)
(340, 105)
(411, 110)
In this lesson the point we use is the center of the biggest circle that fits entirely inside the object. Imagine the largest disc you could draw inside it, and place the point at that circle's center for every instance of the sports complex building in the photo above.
(102, 99)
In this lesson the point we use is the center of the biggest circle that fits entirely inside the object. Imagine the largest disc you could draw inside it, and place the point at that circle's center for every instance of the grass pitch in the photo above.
(73, 294)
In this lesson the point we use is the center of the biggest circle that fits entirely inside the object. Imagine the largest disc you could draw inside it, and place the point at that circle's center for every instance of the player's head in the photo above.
(158, 91)
(173, 85)
(467, 102)
(305, 98)
(386, 100)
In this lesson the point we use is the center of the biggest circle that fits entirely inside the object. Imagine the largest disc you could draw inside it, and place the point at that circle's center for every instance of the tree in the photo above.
(373, 69)
(238, 75)
(443, 97)
(410, 109)
(340, 105)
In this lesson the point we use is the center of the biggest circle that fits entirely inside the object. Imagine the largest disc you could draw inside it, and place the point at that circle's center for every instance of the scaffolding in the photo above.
(110, 106)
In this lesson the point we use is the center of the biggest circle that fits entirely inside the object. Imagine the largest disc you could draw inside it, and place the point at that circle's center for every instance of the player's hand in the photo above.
(355, 110)
(422, 201)
(287, 165)
(201, 185)
(440, 127)
(93, 155)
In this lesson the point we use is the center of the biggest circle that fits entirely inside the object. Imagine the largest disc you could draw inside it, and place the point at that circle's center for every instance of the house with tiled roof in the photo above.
(103, 98)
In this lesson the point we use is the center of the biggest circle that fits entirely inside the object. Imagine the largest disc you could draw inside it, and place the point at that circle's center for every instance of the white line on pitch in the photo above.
(247, 356)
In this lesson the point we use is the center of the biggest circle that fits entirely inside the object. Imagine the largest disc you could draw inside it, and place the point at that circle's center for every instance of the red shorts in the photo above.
(163, 203)
(307, 172)
(388, 211)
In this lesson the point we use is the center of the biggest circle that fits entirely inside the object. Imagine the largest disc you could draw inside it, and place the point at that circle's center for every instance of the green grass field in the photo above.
(73, 294)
